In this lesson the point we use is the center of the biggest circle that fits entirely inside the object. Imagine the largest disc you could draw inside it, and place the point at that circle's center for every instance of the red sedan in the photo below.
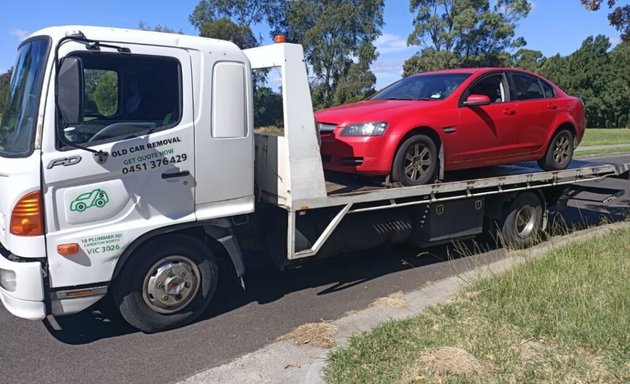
(455, 119)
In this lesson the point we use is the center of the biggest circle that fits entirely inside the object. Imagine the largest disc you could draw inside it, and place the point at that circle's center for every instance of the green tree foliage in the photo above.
(225, 29)
(597, 75)
(106, 94)
(5, 78)
(528, 59)
(158, 28)
(338, 38)
(619, 16)
(456, 33)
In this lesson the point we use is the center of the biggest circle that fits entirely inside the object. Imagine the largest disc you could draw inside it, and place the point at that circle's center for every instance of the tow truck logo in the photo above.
(97, 198)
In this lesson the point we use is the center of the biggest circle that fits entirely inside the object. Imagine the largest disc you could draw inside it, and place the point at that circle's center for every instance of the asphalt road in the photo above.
(97, 347)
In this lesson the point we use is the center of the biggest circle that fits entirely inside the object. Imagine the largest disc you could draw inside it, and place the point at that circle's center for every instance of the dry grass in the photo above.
(395, 300)
(315, 334)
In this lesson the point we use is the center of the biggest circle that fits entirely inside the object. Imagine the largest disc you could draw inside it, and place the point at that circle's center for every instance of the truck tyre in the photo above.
(167, 283)
(521, 226)
(416, 161)
(559, 153)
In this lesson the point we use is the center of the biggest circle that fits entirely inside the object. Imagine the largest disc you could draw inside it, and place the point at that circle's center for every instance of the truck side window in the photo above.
(126, 96)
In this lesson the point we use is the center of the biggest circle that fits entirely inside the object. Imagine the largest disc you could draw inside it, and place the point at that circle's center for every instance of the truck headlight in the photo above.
(365, 129)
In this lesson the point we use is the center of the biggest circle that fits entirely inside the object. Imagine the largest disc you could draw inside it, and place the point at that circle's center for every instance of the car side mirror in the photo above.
(476, 100)
(70, 90)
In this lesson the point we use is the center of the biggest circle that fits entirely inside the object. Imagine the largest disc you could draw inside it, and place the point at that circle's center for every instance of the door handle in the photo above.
(552, 106)
(175, 175)
(509, 112)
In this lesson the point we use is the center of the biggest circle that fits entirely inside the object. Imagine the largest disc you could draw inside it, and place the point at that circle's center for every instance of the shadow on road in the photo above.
(265, 284)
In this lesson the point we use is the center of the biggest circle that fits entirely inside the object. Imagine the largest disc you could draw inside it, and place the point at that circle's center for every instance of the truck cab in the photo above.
(109, 137)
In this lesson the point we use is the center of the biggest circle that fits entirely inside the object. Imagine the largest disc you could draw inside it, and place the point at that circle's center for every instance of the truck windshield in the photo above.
(19, 118)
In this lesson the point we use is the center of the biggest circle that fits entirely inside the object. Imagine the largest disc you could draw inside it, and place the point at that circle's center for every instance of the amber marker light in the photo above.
(279, 39)
(68, 249)
(27, 218)
(79, 293)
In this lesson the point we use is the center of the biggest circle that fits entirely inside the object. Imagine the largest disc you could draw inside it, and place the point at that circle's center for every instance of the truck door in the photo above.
(138, 115)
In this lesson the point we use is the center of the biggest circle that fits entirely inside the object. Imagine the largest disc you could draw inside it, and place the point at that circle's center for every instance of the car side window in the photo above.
(548, 89)
(527, 87)
(126, 96)
(492, 86)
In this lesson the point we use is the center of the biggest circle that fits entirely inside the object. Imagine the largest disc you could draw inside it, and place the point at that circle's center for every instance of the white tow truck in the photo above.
(129, 165)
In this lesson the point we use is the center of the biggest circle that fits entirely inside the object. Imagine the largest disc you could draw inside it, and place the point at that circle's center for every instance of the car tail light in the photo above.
(27, 218)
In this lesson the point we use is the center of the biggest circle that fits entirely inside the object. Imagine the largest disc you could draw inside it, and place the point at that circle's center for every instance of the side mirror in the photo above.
(477, 100)
(70, 90)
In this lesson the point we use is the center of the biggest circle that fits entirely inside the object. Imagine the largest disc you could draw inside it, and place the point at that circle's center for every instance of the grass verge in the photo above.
(603, 151)
(560, 318)
(606, 136)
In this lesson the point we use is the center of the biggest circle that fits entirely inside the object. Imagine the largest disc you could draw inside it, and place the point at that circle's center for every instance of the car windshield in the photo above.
(19, 118)
(423, 87)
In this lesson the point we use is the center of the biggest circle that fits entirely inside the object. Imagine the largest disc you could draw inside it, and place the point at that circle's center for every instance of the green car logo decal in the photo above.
(97, 198)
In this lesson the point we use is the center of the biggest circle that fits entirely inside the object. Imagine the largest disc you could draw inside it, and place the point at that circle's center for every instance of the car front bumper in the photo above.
(356, 154)
(22, 288)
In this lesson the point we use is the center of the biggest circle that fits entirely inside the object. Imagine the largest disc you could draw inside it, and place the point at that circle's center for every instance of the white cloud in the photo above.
(389, 43)
(387, 71)
(19, 33)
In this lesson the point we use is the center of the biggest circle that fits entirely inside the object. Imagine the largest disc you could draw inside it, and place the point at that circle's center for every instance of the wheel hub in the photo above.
(525, 221)
(561, 150)
(171, 284)
(417, 162)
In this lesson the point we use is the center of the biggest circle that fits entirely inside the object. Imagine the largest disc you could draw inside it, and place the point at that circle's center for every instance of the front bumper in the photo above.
(356, 154)
(26, 299)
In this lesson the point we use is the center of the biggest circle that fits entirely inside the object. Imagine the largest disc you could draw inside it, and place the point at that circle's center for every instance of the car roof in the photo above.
(475, 70)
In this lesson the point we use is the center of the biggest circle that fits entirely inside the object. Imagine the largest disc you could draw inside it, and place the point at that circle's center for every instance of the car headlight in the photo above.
(365, 129)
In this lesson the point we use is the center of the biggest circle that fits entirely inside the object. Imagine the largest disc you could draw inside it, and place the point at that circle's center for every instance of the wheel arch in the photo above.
(196, 230)
(433, 135)
(565, 125)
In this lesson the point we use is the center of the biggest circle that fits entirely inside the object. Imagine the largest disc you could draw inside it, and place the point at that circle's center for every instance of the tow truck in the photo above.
(129, 166)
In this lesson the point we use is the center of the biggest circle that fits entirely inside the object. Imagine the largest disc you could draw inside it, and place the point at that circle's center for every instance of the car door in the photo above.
(536, 112)
(488, 131)
(141, 177)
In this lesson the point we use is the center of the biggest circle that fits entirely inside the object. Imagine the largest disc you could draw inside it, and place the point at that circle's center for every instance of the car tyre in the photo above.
(416, 161)
(167, 283)
(559, 153)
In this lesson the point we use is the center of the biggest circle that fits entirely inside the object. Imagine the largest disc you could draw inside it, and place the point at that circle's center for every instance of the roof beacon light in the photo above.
(279, 39)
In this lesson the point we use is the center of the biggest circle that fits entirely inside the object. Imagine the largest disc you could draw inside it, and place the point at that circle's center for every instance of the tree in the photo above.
(454, 33)
(338, 39)
(241, 12)
(158, 28)
(232, 20)
(225, 29)
(5, 79)
(105, 93)
(619, 17)
(599, 76)
(528, 59)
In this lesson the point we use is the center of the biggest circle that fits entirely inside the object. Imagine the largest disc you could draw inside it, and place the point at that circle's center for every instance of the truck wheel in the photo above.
(416, 161)
(559, 153)
(166, 283)
(522, 224)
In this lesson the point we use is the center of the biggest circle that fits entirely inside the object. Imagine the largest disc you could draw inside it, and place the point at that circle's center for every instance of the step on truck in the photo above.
(129, 167)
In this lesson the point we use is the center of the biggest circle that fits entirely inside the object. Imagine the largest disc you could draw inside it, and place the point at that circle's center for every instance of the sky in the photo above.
(553, 26)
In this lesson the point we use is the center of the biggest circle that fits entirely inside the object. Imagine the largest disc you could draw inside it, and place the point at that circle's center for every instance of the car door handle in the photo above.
(175, 175)
(552, 106)
(509, 112)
